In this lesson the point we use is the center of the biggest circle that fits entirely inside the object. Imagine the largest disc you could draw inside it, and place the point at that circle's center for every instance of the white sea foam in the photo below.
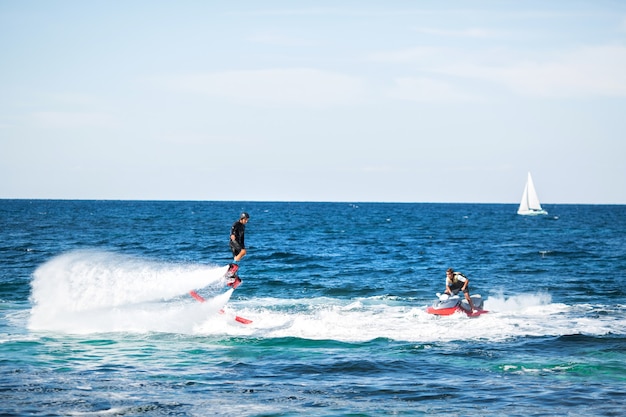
(368, 319)
(87, 291)
(92, 292)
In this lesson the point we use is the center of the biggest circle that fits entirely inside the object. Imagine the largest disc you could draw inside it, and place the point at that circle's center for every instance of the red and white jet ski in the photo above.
(446, 305)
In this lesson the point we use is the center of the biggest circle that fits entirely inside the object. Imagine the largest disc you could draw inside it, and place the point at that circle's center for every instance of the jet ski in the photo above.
(446, 305)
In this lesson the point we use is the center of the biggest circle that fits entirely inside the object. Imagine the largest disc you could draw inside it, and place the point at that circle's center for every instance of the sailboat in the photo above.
(530, 206)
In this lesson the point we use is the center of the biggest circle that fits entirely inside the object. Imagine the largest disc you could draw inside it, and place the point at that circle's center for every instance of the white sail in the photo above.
(530, 201)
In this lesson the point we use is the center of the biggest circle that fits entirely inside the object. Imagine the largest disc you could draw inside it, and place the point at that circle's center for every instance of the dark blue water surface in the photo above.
(96, 319)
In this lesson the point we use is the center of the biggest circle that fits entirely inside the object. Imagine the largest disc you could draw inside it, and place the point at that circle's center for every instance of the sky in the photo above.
(351, 101)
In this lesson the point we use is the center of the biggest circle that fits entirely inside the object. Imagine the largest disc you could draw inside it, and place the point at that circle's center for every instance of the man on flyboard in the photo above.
(237, 237)
(238, 247)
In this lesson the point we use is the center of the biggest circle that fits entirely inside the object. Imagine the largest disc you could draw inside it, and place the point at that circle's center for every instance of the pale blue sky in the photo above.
(416, 101)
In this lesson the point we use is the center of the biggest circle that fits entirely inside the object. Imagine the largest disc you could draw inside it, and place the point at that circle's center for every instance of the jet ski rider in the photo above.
(455, 282)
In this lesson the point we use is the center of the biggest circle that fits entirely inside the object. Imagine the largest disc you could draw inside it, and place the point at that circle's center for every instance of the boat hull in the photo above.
(443, 311)
(447, 306)
(532, 212)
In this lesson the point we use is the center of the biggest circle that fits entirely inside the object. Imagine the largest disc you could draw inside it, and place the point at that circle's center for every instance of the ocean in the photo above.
(96, 317)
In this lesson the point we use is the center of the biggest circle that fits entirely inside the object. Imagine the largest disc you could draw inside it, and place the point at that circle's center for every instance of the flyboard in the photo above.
(446, 305)
(233, 281)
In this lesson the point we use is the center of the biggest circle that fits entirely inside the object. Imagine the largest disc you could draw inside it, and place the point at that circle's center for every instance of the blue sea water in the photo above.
(96, 317)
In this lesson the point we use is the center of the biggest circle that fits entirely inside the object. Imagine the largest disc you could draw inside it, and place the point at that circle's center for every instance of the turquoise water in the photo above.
(95, 316)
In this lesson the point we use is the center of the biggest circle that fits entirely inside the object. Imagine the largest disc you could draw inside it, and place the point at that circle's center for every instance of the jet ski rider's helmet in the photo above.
(244, 215)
